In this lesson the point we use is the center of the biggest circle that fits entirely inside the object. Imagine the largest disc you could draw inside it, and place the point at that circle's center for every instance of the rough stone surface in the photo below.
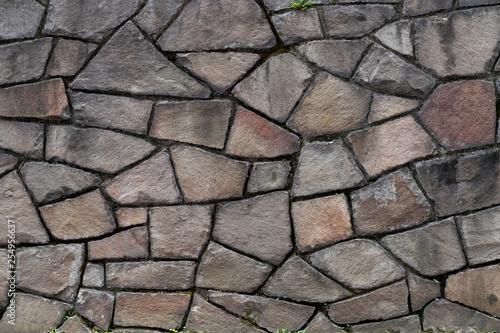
(331, 106)
(68, 57)
(156, 14)
(461, 114)
(397, 36)
(219, 24)
(205, 176)
(275, 5)
(419, 7)
(273, 88)
(180, 231)
(95, 305)
(23, 138)
(224, 269)
(392, 202)
(422, 291)
(127, 217)
(52, 271)
(383, 303)
(431, 250)
(4, 274)
(19, 19)
(410, 324)
(50, 182)
(381, 148)
(467, 3)
(258, 226)
(93, 276)
(7, 162)
(151, 182)
(297, 25)
(322, 324)
(268, 176)
(358, 264)
(85, 216)
(384, 106)
(132, 243)
(198, 122)
(254, 136)
(94, 148)
(74, 325)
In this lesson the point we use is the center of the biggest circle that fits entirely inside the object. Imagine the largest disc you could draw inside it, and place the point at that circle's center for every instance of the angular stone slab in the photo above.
(274, 88)
(7, 162)
(156, 14)
(324, 167)
(358, 264)
(258, 226)
(21, 137)
(93, 276)
(381, 148)
(74, 325)
(96, 305)
(383, 70)
(52, 270)
(422, 291)
(322, 324)
(20, 19)
(268, 176)
(49, 181)
(431, 250)
(224, 269)
(298, 281)
(410, 324)
(268, 313)
(93, 148)
(68, 57)
(128, 62)
(397, 36)
(419, 7)
(384, 106)
(218, 24)
(132, 243)
(298, 25)
(127, 217)
(368, 306)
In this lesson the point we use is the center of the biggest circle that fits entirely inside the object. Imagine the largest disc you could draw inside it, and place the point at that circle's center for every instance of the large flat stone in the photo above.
(409, 324)
(156, 14)
(422, 291)
(132, 243)
(20, 19)
(96, 305)
(419, 7)
(268, 176)
(297, 26)
(22, 137)
(68, 57)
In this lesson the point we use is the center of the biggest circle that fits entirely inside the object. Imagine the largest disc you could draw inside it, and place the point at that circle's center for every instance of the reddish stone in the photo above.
(132, 243)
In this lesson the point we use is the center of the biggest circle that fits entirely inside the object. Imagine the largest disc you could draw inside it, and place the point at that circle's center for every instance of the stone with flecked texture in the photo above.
(422, 291)
(397, 36)
(22, 137)
(298, 25)
(321, 323)
(467, 3)
(20, 19)
(419, 7)
(74, 325)
(68, 57)
(132, 243)
(410, 324)
(268, 176)
(156, 14)
(384, 106)
(4, 274)
(93, 276)
(7, 162)
(127, 217)
(95, 305)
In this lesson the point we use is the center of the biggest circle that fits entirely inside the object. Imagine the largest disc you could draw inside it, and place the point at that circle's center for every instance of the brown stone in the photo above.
(419, 7)
(68, 57)
(268, 176)
(297, 26)
(93, 276)
(322, 324)
(74, 325)
(206, 176)
(82, 217)
(409, 324)
(156, 14)
(151, 310)
(127, 217)
(132, 243)
(422, 291)
(23, 138)
(384, 106)
(7, 162)
(381, 148)
(322, 221)
(254, 136)
(198, 122)
(96, 305)
(383, 303)
(461, 114)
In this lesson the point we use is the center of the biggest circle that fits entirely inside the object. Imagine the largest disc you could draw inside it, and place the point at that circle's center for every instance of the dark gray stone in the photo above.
(410, 324)
(19, 19)
(268, 176)
(68, 57)
(297, 26)
(419, 7)
(467, 3)
(22, 137)
(156, 14)
(422, 291)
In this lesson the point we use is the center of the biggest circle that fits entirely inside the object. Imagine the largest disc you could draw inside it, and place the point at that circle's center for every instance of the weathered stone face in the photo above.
(422, 291)
(68, 57)
(22, 137)
(268, 176)
(397, 36)
(96, 305)
(419, 7)
(19, 19)
(132, 243)
(296, 26)
(321, 323)
(156, 14)
(407, 324)
(384, 106)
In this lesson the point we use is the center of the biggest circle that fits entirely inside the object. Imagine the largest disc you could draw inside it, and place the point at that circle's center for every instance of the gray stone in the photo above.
(118, 112)
(22, 137)
(4, 275)
(68, 57)
(422, 291)
(384, 107)
(419, 7)
(74, 325)
(322, 324)
(381, 69)
(410, 324)
(96, 305)
(135, 330)
(268, 176)
(298, 281)
(19, 19)
(431, 250)
(7, 162)
(397, 36)
(467, 3)
(50, 182)
(223, 269)
(324, 167)
(258, 226)
(23, 61)
(129, 63)
(273, 88)
(94, 19)
(356, 20)
(93, 148)
(156, 14)
(297, 26)
(93, 276)
(129, 244)
(358, 264)
(449, 45)
(275, 5)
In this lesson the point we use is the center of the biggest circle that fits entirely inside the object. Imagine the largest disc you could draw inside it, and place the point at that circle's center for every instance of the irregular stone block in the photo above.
(74, 325)
(422, 291)
(20, 19)
(96, 305)
(68, 57)
(297, 26)
(322, 324)
(156, 14)
(93, 276)
(132, 243)
(23, 138)
(410, 324)
(384, 107)
(7, 162)
(419, 7)
(127, 217)
(397, 36)
(268, 176)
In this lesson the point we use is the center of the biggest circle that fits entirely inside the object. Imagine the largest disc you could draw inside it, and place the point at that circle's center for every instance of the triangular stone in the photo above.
(385, 106)
(397, 36)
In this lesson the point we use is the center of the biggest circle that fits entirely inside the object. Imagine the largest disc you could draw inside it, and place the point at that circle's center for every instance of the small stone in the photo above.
(198, 122)
(52, 270)
(94, 148)
(383, 147)
(298, 281)
(431, 250)
(321, 323)
(481, 235)
(273, 88)
(151, 182)
(259, 226)
(127, 217)
(461, 114)
(23, 61)
(393, 202)
(275, 5)
(419, 7)
(397, 36)
(151, 310)
(164, 275)
(68, 57)
(132, 243)
(156, 14)
(221, 70)
(74, 325)
(85, 216)
(266, 312)
(93, 276)
(22, 137)
(297, 26)
(356, 20)
(50, 182)
(383, 70)
(467, 3)
(409, 324)
(393, 298)
(325, 167)
(135, 330)
(358, 264)
(254, 136)
(206, 176)
(94, 19)
(422, 291)
(4, 275)
(331, 106)
(218, 24)
(20, 19)
(180, 231)
(336, 56)
(7, 162)
(384, 106)
(43, 100)
(128, 114)
(96, 306)
(224, 269)
(268, 176)
(321, 221)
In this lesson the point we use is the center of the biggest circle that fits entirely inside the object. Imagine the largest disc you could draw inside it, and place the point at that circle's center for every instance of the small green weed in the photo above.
(301, 4)
(285, 330)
